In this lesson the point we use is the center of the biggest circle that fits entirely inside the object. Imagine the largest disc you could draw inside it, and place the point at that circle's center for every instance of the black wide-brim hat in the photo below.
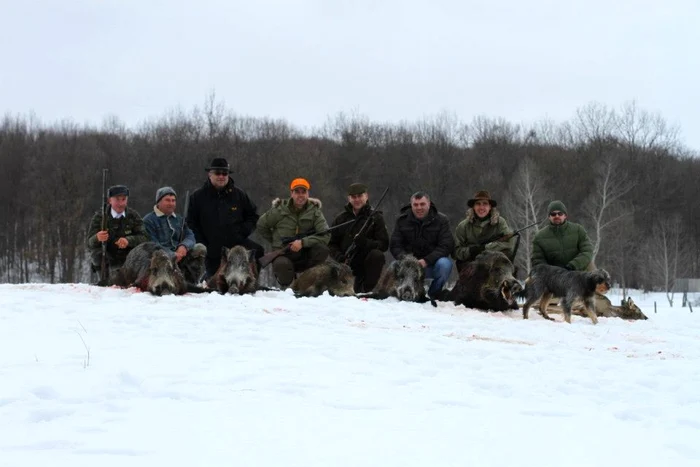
(218, 163)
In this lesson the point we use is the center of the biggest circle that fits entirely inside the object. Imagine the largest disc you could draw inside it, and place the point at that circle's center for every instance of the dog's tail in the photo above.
(521, 295)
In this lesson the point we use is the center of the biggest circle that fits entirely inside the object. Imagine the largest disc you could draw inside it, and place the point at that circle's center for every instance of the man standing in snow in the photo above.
(222, 215)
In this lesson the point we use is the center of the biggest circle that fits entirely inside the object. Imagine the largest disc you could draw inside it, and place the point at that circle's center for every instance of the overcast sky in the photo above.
(392, 60)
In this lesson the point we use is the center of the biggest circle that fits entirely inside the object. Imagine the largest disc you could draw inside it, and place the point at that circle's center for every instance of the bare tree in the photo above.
(524, 205)
(665, 254)
(604, 206)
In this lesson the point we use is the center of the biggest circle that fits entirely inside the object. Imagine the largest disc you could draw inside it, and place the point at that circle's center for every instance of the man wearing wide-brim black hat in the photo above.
(222, 215)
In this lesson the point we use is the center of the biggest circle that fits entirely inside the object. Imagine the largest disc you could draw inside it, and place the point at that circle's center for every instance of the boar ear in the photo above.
(251, 255)
(395, 267)
(224, 252)
(335, 273)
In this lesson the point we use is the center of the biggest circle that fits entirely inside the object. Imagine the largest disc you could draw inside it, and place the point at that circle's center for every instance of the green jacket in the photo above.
(282, 220)
(562, 245)
(472, 231)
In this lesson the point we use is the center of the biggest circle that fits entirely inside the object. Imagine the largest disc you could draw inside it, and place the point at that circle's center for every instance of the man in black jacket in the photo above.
(426, 234)
(367, 260)
(222, 215)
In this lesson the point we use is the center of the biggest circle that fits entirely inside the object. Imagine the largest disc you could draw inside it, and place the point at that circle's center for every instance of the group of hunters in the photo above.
(222, 215)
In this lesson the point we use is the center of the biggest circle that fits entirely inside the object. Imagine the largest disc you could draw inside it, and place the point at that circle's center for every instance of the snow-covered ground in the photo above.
(109, 377)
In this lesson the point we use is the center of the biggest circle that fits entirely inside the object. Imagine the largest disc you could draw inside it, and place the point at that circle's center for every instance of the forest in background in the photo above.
(622, 172)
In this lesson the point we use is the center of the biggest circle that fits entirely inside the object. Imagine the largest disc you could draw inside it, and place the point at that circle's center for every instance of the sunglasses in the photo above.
(556, 214)
(220, 172)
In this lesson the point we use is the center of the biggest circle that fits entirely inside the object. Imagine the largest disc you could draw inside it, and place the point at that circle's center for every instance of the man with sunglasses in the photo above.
(288, 218)
(562, 243)
(222, 215)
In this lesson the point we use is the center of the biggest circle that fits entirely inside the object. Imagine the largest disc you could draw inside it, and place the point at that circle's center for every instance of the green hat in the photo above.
(357, 189)
(557, 206)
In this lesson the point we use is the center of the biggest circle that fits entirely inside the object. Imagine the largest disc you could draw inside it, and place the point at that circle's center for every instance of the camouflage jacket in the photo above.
(282, 220)
(562, 245)
(472, 231)
(130, 227)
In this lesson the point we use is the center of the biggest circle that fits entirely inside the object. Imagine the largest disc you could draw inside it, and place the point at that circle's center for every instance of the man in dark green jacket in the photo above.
(562, 243)
(294, 216)
(123, 230)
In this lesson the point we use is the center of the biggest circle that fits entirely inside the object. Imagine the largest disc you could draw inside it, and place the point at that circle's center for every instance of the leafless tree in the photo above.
(605, 204)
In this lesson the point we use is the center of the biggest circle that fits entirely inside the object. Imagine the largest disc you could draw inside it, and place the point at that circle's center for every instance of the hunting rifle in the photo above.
(270, 257)
(184, 216)
(508, 236)
(103, 261)
(352, 248)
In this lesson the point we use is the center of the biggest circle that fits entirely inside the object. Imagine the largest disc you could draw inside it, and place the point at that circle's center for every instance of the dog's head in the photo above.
(602, 278)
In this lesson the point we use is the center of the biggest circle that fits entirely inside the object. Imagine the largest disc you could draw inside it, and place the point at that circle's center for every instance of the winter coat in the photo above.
(428, 239)
(562, 245)
(283, 220)
(472, 231)
(166, 230)
(130, 227)
(221, 218)
(376, 232)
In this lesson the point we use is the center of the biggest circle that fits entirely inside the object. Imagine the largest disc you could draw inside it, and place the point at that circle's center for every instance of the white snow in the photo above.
(107, 377)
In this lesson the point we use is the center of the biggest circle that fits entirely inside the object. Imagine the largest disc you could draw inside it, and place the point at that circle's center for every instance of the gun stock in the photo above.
(270, 257)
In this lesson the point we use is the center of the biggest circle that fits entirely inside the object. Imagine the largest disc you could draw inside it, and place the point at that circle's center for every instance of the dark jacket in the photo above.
(221, 218)
(130, 227)
(167, 230)
(376, 232)
(562, 245)
(429, 239)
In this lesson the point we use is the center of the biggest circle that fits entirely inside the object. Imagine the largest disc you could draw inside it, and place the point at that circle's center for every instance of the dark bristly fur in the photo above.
(237, 273)
(487, 283)
(330, 275)
(546, 281)
(152, 268)
(403, 279)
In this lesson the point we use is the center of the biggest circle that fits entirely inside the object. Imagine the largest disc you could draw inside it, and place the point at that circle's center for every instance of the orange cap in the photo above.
(299, 182)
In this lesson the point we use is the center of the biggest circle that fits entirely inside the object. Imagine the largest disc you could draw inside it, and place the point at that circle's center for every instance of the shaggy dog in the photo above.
(546, 281)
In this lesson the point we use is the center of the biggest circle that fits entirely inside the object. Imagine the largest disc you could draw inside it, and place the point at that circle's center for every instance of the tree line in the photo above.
(622, 173)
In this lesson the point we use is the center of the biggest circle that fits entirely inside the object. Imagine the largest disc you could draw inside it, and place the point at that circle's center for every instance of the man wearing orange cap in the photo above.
(293, 217)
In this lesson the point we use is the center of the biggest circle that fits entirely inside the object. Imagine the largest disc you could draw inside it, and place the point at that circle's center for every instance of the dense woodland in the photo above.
(623, 173)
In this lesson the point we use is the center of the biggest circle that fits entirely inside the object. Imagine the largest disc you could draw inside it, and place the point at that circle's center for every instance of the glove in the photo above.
(361, 242)
(569, 267)
(474, 250)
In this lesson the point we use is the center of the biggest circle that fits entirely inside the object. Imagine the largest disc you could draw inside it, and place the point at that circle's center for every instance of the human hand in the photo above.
(122, 243)
(180, 253)
(102, 236)
(423, 263)
(296, 245)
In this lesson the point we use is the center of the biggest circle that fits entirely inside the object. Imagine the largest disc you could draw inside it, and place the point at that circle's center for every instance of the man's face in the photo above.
(358, 201)
(118, 203)
(218, 178)
(167, 204)
(482, 208)
(420, 207)
(557, 217)
(300, 196)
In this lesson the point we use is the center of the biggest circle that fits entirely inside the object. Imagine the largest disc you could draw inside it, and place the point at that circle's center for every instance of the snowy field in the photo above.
(109, 377)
